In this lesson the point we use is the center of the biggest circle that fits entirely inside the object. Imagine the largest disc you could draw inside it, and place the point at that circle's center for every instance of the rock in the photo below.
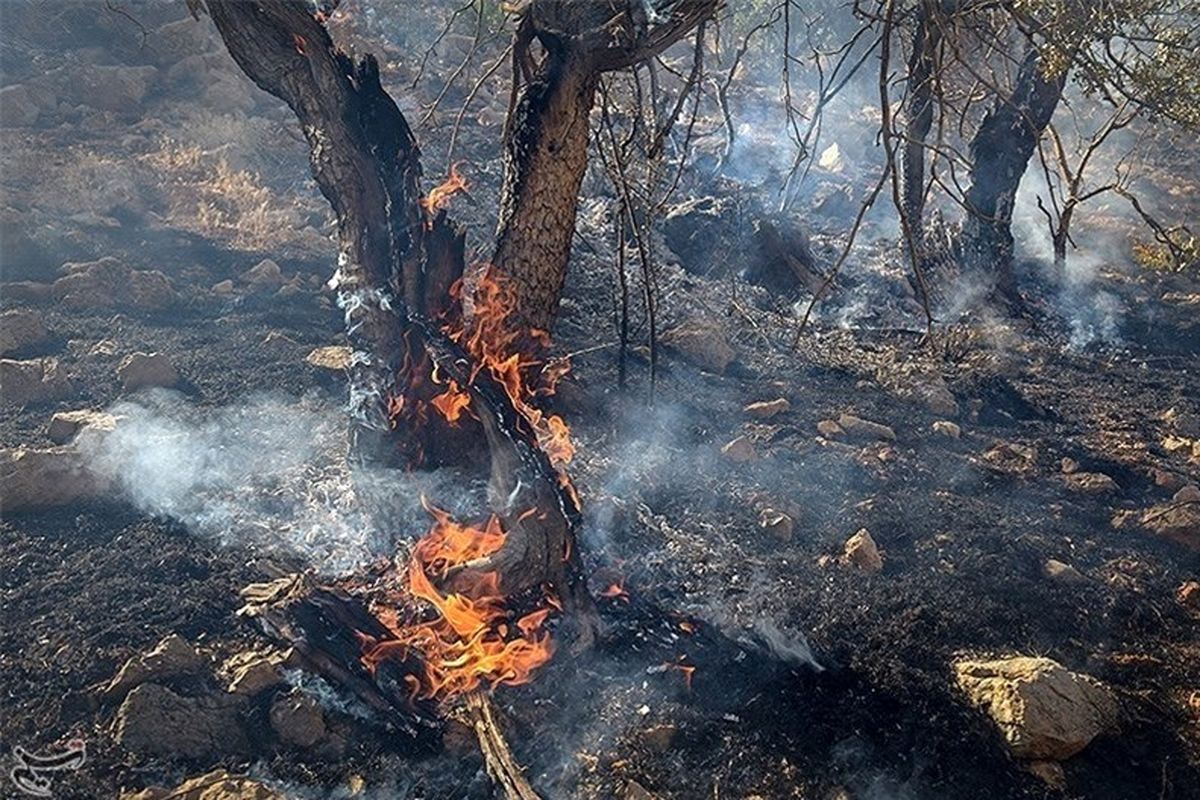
(659, 738)
(1092, 483)
(946, 428)
(1043, 710)
(862, 553)
(335, 357)
(1069, 466)
(215, 785)
(1056, 570)
(172, 657)
(767, 408)
(1012, 458)
(938, 398)
(740, 450)
(860, 428)
(297, 719)
(64, 425)
(18, 109)
(37, 380)
(144, 370)
(253, 672)
(223, 288)
(1177, 522)
(21, 330)
(37, 478)
(104, 88)
(635, 791)
(777, 523)
(831, 159)
(834, 202)
(1166, 480)
(703, 343)
(1176, 444)
(1188, 494)
(1188, 595)
(28, 292)
(154, 721)
(829, 429)
(1048, 772)
(700, 228)
(265, 275)
(1185, 423)
(108, 284)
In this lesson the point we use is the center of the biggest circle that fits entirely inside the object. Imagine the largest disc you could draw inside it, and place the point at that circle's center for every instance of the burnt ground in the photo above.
(964, 538)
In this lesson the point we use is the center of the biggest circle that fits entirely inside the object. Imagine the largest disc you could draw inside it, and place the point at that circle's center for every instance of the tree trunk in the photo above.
(922, 70)
(545, 157)
(367, 164)
(1000, 151)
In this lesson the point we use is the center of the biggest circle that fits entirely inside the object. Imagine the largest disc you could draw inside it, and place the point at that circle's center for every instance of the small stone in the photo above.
(777, 523)
(252, 672)
(21, 330)
(37, 478)
(223, 288)
(1057, 570)
(297, 719)
(334, 358)
(860, 428)
(1069, 466)
(1188, 595)
(143, 370)
(1188, 494)
(1012, 458)
(829, 429)
(172, 657)
(1048, 772)
(154, 721)
(215, 785)
(266, 274)
(1185, 423)
(768, 408)
(740, 450)
(862, 553)
(37, 380)
(1092, 483)
(1166, 480)
(1043, 710)
(659, 738)
(635, 791)
(946, 428)
(64, 425)
(703, 343)
(1176, 444)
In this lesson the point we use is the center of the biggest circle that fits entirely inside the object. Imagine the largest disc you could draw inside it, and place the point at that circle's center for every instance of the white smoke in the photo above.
(269, 473)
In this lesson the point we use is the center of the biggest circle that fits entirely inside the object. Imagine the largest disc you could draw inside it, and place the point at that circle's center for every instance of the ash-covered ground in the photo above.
(1025, 483)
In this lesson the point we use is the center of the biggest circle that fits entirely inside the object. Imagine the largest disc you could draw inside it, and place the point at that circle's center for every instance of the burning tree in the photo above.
(423, 366)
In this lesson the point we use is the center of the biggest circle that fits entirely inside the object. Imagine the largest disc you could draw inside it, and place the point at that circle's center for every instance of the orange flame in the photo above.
(452, 403)
(616, 591)
(439, 196)
(469, 643)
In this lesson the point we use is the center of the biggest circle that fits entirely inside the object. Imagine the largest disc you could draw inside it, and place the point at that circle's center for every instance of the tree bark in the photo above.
(1000, 151)
(545, 155)
(922, 71)
(367, 164)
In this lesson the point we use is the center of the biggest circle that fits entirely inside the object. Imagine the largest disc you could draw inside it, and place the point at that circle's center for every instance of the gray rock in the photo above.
(20, 330)
(154, 721)
(37, 380)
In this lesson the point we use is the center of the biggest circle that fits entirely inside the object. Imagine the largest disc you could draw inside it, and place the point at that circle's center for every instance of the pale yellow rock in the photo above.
(946, 428)
(702, 342)
(215, 785)
(1043, 710)
(862, 553)
(860, 428)
(146, 370)
(739, 450)
(829, 429)
(767, 408)
(334, 358)
(65, 425)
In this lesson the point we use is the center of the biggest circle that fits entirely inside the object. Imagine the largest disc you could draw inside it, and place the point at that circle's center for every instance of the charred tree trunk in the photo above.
(545, 153)
(367, 165)
(1000, 151)
(922, 71)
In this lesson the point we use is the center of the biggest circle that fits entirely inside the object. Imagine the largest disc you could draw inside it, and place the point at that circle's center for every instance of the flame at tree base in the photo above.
(474, 641)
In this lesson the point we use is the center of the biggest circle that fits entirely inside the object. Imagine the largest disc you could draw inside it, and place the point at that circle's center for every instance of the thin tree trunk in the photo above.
(922, 69)
(1000, 151)
(545, 157)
